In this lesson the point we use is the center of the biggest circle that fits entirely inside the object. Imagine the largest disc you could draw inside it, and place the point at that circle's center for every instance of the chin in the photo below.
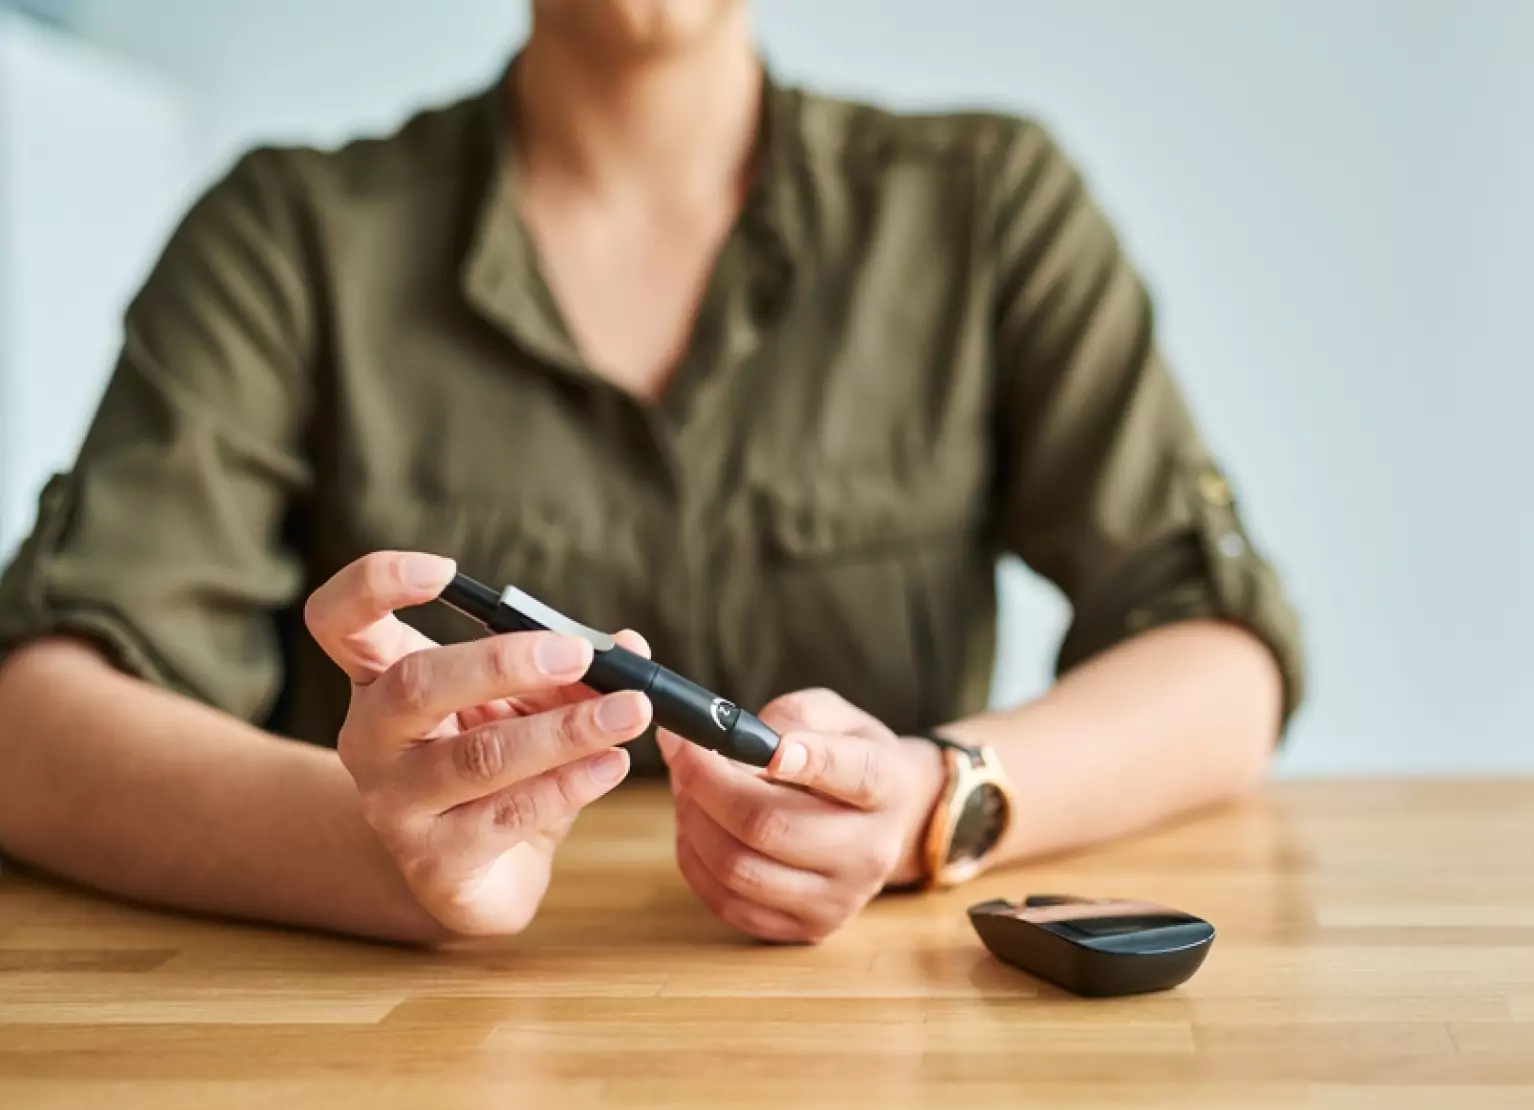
(638, 26)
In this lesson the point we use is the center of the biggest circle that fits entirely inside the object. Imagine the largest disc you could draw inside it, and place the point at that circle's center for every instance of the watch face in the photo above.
(980, 823)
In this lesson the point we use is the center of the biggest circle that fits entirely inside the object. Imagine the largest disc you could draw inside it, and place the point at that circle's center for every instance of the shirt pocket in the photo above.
(873, 587)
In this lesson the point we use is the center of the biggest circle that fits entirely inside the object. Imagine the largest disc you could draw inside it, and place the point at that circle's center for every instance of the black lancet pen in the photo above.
(680, 705)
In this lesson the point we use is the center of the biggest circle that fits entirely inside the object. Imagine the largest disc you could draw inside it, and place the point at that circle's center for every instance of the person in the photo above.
(766, 378)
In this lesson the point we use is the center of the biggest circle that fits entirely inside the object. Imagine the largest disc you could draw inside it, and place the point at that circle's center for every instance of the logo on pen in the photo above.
(722, 712)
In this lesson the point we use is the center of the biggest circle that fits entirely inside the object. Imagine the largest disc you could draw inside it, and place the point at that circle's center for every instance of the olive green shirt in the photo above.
(922, 347)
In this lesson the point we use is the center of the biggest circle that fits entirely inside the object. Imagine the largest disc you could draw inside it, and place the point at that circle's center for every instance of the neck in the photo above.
(681, 119)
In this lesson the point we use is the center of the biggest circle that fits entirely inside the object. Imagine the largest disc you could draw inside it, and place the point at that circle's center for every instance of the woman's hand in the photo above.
(472, 759)
(794, 852)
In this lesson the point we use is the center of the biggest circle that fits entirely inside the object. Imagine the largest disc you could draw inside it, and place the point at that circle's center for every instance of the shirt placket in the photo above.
(706, 422)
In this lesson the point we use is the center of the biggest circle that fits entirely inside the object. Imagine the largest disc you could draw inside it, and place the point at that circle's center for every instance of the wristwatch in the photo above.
(973, 813)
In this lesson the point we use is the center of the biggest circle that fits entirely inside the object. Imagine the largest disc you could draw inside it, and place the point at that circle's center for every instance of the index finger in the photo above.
(425, 687)
(351, 616)
(843, 766)
(540, 701)
(796, 827)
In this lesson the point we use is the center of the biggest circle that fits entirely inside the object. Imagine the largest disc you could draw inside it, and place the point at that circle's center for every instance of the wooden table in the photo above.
(1375, 949)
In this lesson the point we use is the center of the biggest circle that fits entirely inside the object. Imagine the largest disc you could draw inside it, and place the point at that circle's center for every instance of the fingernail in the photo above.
(428, 572)
(667, 742)
(608, 767)
(558, 655)
(791, 758)
(620, 712)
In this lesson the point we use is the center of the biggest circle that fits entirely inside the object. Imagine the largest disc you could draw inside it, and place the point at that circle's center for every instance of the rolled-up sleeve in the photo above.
(164, 541)
(1107, 488)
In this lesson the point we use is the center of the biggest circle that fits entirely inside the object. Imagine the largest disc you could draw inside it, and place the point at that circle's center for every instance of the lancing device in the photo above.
(680, 705)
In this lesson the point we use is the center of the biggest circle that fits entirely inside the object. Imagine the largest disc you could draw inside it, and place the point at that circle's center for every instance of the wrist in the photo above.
(961, 811)
(374, 900)
(927, 775)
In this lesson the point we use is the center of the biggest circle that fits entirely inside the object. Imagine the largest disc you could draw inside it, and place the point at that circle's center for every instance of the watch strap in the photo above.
(950, 745)
(941, 741)
(975, 760)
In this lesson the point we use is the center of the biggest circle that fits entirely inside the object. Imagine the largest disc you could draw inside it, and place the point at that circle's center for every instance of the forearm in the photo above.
(134, 791)
(1176, 719)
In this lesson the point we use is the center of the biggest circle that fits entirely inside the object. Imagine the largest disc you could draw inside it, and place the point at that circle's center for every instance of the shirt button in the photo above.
(1214, 489)
(1231, 545)
(764, 300)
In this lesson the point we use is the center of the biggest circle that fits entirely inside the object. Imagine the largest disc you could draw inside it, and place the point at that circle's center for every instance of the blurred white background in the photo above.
(1331, 199)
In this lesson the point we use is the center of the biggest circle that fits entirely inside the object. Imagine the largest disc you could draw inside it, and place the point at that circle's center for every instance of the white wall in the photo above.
(93, 159)
(1329, 196)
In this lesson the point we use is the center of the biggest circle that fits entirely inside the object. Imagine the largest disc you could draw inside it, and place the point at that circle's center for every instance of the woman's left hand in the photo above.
(793, 852)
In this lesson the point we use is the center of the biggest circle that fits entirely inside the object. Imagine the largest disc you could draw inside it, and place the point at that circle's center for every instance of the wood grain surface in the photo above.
(1375, 949)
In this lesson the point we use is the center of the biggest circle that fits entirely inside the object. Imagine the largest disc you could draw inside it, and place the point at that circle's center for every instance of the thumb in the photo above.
(351, 615)
(844, 767)
(668, 742)
(671, 752)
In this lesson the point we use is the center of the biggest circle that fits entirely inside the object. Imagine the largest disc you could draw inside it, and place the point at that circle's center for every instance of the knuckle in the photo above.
(451, 901)
(377, 574)
(800, 706)
(567, 787)
(872, 774)
(379, 812)
(506, 661)
(516, 811)
(347, 745)
(479, 756)
(401, 838)
(823, 761)
(683, 772)
(828, 915)
(743, 914)
(818, 707)
(774, 926)
(570, 728)
(819, 927)
(315, 607)
(743, 874)
(422, 871)
(872, 864)
(573, 726)
(407, 685)
(765, 828)
(820, 697)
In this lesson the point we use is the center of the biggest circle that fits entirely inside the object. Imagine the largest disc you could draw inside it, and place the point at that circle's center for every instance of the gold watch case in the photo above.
(977, 800)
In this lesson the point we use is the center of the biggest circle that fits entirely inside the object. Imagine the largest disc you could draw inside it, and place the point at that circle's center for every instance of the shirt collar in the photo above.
(501, 276)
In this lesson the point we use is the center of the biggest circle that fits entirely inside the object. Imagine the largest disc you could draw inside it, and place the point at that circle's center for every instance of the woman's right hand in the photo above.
(473, 759)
